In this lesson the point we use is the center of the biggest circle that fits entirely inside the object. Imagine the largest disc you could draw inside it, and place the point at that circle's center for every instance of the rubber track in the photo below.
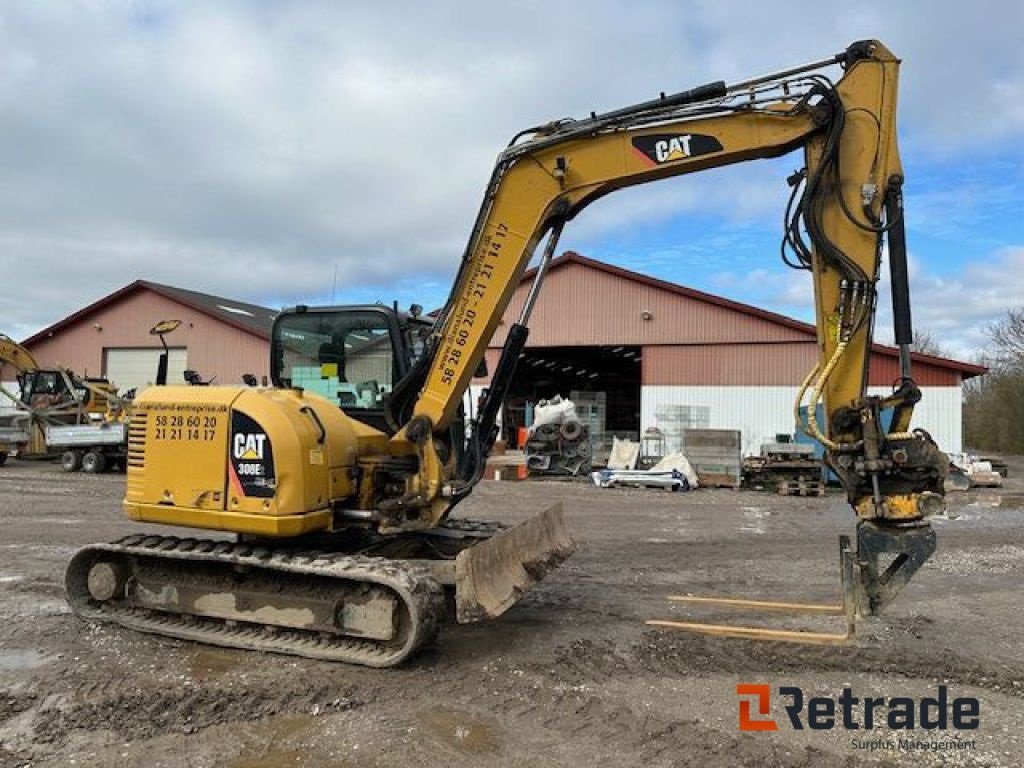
(413, 585)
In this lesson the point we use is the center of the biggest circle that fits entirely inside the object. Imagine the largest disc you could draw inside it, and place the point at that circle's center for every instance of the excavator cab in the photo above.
(355, 356)
(44, 389)
(47, 388)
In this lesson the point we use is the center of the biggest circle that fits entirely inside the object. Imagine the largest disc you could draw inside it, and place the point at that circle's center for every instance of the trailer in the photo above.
(92, 448)
(791, 469)
(12, 439)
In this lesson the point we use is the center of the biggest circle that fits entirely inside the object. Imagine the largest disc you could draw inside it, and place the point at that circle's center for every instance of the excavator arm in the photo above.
(15, 355)
(539, 191)
(20, 359)
(845, 202)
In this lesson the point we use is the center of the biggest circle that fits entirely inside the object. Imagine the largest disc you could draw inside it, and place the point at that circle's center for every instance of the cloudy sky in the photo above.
(250, 149)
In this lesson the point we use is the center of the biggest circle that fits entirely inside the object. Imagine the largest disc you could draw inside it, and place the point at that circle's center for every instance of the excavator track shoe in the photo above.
(320, 605)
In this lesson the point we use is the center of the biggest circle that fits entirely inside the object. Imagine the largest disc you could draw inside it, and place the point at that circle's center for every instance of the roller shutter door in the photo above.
(128, 368)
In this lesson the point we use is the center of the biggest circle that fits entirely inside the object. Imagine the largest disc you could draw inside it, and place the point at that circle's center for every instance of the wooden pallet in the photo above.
(801, 488)
(718, 479)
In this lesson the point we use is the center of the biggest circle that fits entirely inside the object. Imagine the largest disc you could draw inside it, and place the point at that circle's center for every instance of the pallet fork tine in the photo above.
(847, 609)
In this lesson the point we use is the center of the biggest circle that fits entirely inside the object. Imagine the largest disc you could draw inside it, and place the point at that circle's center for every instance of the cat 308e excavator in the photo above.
(339, 481)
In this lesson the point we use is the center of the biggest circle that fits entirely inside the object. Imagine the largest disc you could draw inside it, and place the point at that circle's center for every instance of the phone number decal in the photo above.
(478, 283)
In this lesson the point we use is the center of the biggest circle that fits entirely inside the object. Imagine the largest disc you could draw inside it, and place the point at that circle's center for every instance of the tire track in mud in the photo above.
(543, 712)
(569, 677)
(681, 655)
(564, 707)
(137, 714)
(578, 699)
(114, 691)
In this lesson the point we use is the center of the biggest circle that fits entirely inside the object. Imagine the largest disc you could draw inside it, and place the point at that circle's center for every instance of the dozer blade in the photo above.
(491, 576)
(847, 609)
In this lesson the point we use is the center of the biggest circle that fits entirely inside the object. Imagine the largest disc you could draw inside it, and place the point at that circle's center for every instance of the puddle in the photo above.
(59, 520)
(460, 730)
(951, 516)
(50, 549)
(35, 489)
(280, 731)
(25, 607)
(987, 499)
(753, 520)
(272, 758)
(20, 659)
(207, 663)
(1013, 500)
(678, 532)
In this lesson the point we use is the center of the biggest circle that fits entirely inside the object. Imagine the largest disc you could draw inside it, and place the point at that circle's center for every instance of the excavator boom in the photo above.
(846, 201)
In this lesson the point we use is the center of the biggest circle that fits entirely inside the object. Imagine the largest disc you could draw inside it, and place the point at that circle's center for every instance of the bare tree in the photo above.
(1007, 336)
(994, 403)
(926, 343)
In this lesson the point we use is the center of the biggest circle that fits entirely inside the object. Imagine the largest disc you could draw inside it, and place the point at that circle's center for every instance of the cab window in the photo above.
(346, 357)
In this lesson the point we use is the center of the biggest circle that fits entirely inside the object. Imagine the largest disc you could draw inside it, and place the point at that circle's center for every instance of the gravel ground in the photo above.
(569, 677)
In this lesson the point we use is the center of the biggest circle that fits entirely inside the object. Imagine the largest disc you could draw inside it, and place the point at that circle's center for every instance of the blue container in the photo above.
(819, 449)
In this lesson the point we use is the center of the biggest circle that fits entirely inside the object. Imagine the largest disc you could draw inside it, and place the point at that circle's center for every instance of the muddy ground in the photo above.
(569, 677)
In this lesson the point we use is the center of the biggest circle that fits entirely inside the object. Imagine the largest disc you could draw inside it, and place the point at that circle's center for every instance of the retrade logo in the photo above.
(762, 693)
(852, 713)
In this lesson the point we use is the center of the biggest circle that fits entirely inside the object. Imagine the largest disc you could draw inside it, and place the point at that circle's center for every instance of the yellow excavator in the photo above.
(13, 434)
(338, 483)
(48, 397)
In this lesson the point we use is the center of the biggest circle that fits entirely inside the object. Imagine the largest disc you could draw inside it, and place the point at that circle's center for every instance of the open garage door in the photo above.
(136, 368)
(604, 381)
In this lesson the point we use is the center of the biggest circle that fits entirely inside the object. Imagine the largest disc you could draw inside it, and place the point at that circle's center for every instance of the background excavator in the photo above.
(47, 397)
(339, 481)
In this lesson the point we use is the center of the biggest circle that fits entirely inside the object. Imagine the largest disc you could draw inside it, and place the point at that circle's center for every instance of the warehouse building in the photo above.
(219, 338)
(637, 352)
(634, 352)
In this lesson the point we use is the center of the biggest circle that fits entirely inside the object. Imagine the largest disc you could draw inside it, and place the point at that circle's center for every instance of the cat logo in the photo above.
(673, 149)
(660, 148)
(251, 470)
(249, 446)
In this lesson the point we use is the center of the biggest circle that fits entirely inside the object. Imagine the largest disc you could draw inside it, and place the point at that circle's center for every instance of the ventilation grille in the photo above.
(137, 441)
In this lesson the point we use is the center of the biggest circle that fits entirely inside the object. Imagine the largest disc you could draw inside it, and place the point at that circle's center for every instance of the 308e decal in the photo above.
(252, 458)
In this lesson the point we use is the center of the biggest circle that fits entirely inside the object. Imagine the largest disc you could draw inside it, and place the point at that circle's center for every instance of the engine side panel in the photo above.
(268, 462)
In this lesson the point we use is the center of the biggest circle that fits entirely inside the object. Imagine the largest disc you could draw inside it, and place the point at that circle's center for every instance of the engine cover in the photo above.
(259, 461)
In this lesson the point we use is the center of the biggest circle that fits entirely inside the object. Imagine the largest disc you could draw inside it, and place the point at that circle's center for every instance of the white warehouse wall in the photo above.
(761, 412)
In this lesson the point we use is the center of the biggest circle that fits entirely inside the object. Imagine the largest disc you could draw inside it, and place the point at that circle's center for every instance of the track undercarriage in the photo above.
(356, 597)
